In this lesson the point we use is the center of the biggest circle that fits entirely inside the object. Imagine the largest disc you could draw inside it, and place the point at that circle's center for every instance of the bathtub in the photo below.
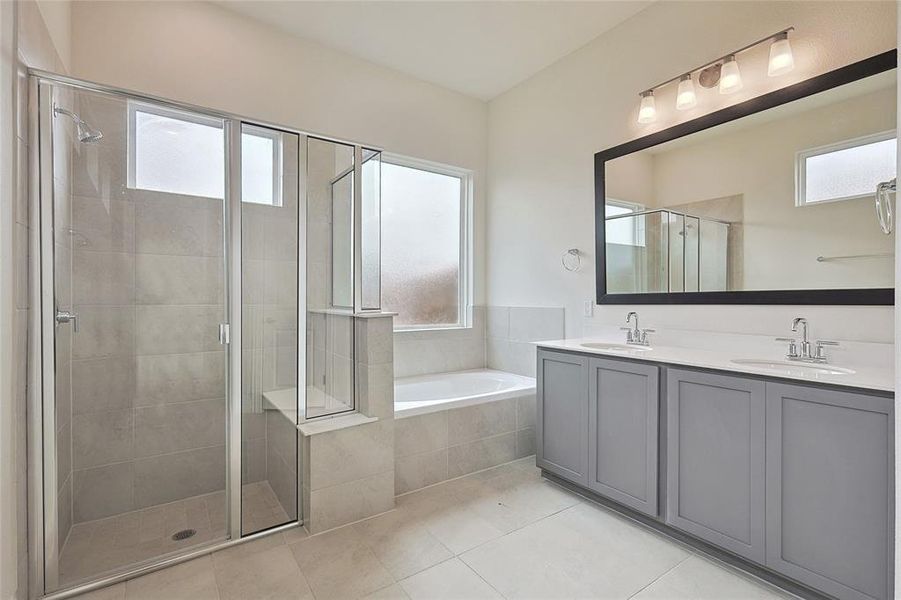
(452, 424)
(442, 391)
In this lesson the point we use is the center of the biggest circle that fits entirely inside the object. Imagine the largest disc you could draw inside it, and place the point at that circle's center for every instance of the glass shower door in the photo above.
(135, 292)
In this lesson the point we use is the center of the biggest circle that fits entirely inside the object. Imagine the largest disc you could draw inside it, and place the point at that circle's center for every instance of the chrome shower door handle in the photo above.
(64, 316)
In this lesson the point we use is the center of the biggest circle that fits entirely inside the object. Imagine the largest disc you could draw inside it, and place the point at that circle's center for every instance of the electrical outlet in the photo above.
(588, 308)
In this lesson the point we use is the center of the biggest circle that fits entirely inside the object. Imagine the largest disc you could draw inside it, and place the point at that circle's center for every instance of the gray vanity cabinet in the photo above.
(562, 423)
(829, 489)
(716, 460)
(623, 408)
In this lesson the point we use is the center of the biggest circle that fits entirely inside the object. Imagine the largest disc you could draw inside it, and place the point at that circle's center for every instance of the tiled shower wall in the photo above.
(500, 338)
(148, 385)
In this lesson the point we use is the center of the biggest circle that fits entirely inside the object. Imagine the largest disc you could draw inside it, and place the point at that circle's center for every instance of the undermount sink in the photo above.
(615, 347)
(793, 367)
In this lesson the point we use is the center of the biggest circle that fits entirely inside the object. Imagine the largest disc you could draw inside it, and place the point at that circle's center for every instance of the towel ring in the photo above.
(572, 260)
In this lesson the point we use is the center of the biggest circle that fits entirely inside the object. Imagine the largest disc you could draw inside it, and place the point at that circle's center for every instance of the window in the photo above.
(626, 231)
(425, 238)
(846, 170)
(178, 152)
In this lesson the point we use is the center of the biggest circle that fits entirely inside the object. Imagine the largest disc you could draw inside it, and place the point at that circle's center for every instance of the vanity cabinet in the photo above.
(715, 459)
(623, 410)
(829, 489)
(796, 478)
(562, 418)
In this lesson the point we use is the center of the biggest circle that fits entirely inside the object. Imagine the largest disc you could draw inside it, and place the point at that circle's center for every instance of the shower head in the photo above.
(86, 133)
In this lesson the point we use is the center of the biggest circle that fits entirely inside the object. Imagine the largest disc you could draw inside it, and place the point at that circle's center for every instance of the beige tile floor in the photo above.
(501, 533)
(107, 545)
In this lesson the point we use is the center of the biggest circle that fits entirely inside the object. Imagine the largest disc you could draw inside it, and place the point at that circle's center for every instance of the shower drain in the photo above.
(183, 534)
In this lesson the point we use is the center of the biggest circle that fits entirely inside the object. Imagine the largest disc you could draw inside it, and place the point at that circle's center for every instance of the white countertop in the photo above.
(871, 363)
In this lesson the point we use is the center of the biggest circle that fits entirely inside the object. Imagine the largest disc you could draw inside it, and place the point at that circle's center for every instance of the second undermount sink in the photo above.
(793, 368)
(609, 347)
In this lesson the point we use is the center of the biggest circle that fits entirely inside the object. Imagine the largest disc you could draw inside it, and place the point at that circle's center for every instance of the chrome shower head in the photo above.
(86, 133)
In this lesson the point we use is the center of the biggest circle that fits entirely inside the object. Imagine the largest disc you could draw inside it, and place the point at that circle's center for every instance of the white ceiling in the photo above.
(479, 48)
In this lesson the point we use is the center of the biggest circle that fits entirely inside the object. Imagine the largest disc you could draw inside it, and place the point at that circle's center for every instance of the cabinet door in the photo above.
(830, 489)
(716, 461)
(622, 432)
(562, 427)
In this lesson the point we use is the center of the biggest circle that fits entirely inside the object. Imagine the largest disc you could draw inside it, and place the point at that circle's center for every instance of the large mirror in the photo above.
(769, 201)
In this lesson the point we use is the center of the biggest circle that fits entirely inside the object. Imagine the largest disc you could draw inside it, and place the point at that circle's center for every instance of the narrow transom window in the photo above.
(177, 152)
(425, 237)
(628, 231)
(845, 170)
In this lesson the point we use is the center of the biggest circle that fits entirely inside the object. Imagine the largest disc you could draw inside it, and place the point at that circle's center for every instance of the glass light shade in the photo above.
(781, 58)
(730, 77)
(685, 95)
(647, 112)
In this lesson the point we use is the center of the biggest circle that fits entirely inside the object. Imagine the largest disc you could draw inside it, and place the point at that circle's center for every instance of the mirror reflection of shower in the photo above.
(86, 133)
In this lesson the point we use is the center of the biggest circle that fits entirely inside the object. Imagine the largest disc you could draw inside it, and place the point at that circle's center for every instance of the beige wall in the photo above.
(203, 54)
(544, 133)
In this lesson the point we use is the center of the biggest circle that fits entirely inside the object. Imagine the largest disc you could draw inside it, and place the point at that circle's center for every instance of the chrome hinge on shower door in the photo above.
(224, 336)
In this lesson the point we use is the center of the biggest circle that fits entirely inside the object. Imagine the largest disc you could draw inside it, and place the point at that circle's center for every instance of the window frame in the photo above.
(172, 113)
(464, 291)
(801, 157)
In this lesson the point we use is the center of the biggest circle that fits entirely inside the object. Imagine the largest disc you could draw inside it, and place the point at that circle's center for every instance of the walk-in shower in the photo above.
(174, 333)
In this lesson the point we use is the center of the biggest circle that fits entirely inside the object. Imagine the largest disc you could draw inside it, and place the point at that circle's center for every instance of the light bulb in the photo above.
(685, 95)
(647, 112)
(730, 77)
(781, 58)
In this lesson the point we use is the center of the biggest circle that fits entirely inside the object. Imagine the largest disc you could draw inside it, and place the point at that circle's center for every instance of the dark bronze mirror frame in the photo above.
(863, 296)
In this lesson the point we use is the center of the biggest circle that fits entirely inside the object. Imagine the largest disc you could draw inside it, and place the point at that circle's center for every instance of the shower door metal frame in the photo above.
(41, 405)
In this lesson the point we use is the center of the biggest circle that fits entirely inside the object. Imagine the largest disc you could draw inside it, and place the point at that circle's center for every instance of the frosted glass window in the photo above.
(847, 170)
(626, 231)
(423, 271)
(176, 152)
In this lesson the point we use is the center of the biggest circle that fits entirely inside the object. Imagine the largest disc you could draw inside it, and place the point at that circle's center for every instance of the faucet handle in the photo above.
(820, 348)
(792, 346)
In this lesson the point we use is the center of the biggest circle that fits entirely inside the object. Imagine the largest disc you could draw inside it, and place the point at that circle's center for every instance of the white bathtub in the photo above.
(443, 391)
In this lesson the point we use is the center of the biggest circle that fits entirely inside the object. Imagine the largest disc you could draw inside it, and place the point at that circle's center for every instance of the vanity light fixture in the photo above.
(685, 95)
(730, 76)
(647, 112)
(781, 58)
(723, 73)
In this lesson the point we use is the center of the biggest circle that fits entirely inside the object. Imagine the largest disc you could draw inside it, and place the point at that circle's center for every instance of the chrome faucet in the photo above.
(801, 350)
(634, 335)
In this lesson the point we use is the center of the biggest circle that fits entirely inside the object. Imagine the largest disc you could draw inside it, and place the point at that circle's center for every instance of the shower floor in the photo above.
(97, 547)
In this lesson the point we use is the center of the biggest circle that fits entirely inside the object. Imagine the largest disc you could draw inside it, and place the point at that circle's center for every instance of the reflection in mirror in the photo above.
(779, 200)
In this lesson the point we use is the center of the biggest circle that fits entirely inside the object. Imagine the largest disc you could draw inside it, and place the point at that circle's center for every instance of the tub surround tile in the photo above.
(480, 421)
(417, 471)
(481, 454)
(510, 331)
(101, 438)
(168, 428)
(421, 433)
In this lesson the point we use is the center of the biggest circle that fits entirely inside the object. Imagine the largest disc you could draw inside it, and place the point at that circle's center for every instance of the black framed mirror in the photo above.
(770, 201)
